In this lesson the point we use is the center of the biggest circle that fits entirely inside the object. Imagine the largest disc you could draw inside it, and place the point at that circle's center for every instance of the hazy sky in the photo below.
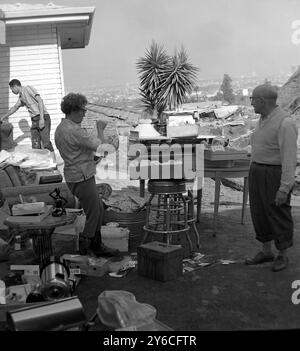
(221, 36)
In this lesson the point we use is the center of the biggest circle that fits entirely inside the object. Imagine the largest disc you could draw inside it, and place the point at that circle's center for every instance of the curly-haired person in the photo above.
(77, 148)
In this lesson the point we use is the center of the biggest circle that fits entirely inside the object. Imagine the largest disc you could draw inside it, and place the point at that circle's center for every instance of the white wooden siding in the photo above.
(32, 55)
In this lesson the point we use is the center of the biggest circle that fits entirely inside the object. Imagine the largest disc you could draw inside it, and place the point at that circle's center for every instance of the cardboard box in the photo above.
(93, 271)
(182, 131)
(31, 218)
(85, 265)
(65, 239)
(160, 261)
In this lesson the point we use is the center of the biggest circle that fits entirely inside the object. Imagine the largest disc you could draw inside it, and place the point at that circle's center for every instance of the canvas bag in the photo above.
(119, 309)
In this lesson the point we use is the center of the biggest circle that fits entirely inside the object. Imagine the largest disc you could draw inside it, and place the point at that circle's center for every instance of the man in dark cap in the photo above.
(271, 177)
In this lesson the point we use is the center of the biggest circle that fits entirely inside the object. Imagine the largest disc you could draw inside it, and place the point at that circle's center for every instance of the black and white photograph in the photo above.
(149, 169)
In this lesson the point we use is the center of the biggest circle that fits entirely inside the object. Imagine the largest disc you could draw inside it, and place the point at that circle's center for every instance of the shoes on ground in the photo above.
(84, 244)
(259, 258)
(280, 263)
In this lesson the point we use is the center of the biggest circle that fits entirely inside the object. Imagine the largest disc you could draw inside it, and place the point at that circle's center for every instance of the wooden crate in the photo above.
(159, 261)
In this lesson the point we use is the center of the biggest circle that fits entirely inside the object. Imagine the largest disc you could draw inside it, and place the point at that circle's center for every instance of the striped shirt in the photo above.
(274, 142)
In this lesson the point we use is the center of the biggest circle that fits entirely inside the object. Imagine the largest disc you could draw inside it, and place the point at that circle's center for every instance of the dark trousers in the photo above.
(270, 222)
(87, 193)
(41, 137)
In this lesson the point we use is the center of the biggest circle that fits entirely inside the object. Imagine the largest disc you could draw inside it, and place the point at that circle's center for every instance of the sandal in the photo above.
(260, 258)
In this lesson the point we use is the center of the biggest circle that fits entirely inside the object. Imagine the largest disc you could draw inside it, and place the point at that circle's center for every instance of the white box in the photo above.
(115, 237)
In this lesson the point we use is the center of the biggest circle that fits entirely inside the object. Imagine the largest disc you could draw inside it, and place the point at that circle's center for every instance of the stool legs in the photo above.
(191, 217)
(172, 209)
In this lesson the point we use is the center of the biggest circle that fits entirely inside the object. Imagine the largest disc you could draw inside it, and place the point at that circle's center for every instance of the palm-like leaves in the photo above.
(165, 81)
(177, 81)
(150, 69)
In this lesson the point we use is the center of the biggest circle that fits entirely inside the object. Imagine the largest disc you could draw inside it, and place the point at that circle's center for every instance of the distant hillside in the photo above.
(289, 93)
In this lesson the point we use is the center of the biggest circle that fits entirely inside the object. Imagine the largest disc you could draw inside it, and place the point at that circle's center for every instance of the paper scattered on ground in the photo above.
(226, 261)
(190, 264)
(123, 267)
(199, 260)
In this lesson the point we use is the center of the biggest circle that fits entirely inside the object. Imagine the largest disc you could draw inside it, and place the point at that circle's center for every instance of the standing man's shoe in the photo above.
(259, 258)
(280, 263)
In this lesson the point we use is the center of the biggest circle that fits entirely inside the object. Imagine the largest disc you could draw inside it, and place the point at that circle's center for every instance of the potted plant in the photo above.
(165, 81)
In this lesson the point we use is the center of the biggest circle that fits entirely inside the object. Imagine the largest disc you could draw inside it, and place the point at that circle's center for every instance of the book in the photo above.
(31, 208)
(30, 218)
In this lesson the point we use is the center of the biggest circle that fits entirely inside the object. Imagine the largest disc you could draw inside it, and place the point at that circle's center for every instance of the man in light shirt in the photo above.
(271, 177)
(77, 148)
(40, 118)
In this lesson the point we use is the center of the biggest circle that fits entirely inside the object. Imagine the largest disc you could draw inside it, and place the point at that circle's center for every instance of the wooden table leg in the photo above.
(216, 203)
(142, 187)
(245, 198)
(42, 245)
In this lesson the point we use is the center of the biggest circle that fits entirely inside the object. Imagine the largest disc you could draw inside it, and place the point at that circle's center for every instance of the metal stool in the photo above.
(170, 213)
(192, 217)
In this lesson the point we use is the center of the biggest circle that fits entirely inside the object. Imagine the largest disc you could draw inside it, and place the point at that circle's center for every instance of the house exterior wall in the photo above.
(31, 54)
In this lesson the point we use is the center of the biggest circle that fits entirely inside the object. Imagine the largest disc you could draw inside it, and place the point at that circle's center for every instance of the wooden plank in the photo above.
(30, 48)
(25, 71)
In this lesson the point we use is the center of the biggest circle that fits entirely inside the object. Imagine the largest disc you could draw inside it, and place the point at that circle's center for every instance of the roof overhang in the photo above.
(73, 23)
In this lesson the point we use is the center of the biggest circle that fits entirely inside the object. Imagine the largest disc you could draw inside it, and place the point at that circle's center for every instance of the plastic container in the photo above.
(134, 221)
(115, 237)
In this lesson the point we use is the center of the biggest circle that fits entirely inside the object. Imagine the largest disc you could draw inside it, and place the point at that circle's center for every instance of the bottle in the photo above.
(2, 293)
(18, 242)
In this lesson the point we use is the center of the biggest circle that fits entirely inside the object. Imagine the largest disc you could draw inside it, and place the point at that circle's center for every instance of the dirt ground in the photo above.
(219, 296)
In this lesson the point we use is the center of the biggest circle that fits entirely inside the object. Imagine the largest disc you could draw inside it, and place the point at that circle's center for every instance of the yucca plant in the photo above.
(151, 68)
(165, 81)
(178, 80)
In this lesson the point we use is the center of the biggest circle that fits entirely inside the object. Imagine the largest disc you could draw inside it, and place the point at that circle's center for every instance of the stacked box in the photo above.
(160, 261)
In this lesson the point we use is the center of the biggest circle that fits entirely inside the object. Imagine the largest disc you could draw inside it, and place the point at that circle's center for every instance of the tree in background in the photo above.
(226, 89)
(165, 80)
(267, 81)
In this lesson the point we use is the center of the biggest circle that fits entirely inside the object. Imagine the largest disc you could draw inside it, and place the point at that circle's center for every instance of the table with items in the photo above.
(40, 232)
(218, 163)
